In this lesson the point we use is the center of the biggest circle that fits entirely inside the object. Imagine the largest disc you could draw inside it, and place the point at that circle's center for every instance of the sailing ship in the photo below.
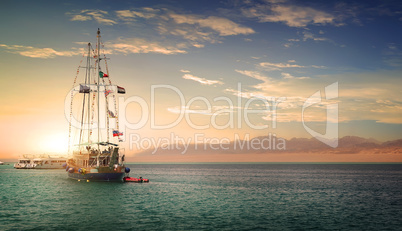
(94, 149)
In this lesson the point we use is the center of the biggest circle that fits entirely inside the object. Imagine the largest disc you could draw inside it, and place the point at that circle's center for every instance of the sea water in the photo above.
(208, 197)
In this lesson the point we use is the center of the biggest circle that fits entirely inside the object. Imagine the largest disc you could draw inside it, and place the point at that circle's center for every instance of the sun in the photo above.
(54, 144)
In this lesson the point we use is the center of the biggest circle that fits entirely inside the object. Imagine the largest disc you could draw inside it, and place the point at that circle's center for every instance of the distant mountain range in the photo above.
(347, 144)
(273, 144)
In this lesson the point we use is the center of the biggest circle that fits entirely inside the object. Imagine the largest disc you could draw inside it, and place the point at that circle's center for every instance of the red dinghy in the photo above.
(135, 180)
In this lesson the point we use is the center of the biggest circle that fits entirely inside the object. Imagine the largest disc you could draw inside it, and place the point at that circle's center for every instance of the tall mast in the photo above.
(98, 88)
(89, 93)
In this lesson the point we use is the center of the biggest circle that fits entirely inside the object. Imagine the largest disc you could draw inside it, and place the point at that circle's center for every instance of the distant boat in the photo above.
(1, 163)
(96, 155)
(40, 162)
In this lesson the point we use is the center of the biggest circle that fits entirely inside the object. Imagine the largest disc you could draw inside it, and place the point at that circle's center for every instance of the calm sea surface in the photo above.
(208, 197)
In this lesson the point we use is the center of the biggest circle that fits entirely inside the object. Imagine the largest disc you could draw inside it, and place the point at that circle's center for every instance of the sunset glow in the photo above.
(227, 69)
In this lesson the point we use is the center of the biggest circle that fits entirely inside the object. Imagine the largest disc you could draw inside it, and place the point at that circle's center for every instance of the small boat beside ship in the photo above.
(135, 180)
(40, 162)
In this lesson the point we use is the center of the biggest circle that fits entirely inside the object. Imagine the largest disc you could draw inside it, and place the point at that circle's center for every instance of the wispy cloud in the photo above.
(35, 52)
(125, 46)
(170, 22)
(130, 15)
(291, 15)
(298, 16)
(201, 80)
(191, 30)
(198, 30)
(285, 97)
(253, 74)
(392, 55)
(280, 66)
(307, 35)
(289, 76)
(310, 36)
(223, 26)
(137, 45)
(374, 99)
(79, 17)
(100, 16)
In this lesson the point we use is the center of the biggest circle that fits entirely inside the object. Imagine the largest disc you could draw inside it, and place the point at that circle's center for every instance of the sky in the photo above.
(220, 69)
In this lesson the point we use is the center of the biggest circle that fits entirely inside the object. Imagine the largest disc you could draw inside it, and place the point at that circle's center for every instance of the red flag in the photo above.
(117, 133)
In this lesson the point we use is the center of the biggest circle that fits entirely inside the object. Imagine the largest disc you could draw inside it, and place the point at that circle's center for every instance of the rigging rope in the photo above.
(94, 54)
(116, 116)
(71, 103)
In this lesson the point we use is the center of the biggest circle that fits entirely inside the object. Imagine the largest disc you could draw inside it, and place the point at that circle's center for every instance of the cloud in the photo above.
(81, 18)
(125, 46)
(376, 98)
(223, 26)
(280, 66)
(253, 74)
(35, 52)
(201, 80)
(247, 94)
(130, 15)
(194, 36)
(196, 29)
(289, 76)
(291, 15)
(193, 29)
(308, 35)
(162, 25)
(136, 45)
(284, 97)
(98, 15)
(392, 55)
(295, 16)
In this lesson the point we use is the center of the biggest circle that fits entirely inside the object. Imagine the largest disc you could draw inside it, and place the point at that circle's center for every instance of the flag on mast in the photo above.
(102, 75)
(84, 89)
(107, 92)
(121, 90)
(117, 133)
(111, 114)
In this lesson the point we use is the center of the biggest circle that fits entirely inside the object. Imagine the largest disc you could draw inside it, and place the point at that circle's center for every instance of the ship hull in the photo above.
(115, 176)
